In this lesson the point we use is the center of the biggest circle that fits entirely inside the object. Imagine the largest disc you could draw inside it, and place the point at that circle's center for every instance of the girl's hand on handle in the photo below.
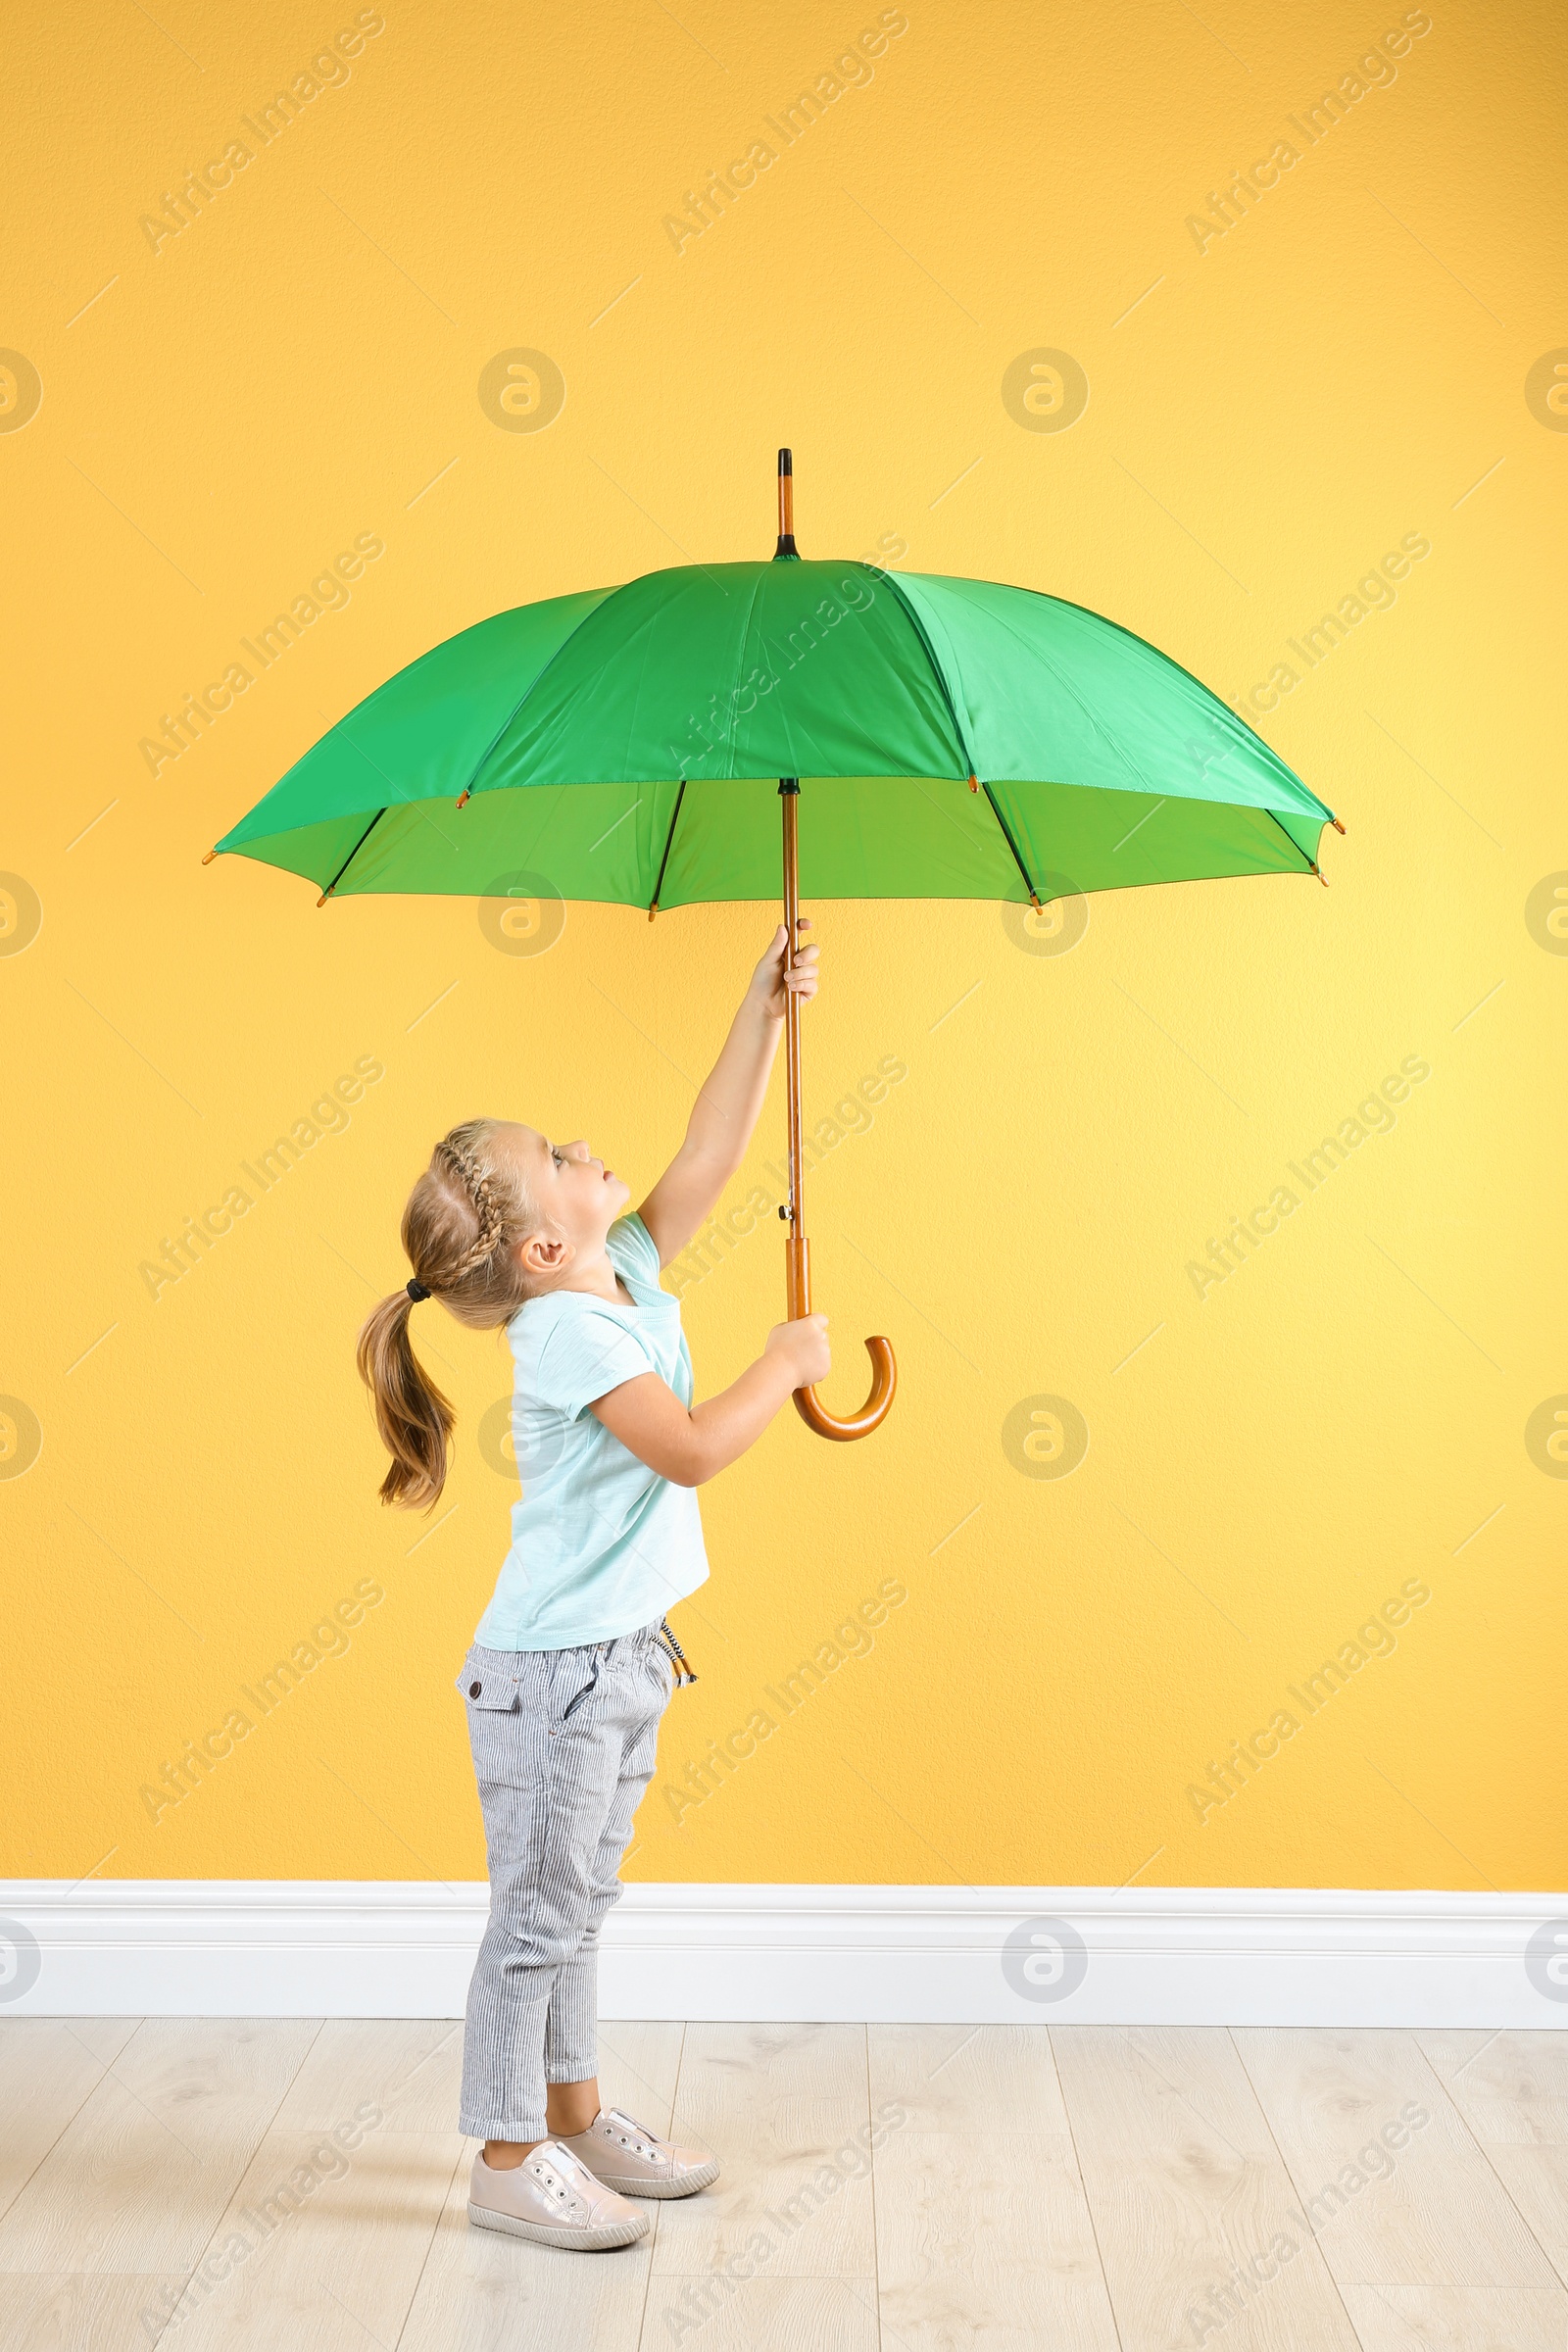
(804, 1346)
(771, 987)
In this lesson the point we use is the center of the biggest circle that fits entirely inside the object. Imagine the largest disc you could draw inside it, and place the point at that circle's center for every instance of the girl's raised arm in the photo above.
(726, 1108)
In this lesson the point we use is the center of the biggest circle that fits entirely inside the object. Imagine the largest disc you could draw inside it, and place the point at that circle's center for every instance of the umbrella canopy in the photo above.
(625, 745)
(721, 730)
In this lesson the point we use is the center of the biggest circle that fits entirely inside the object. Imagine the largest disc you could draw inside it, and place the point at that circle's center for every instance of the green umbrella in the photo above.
(940, 738)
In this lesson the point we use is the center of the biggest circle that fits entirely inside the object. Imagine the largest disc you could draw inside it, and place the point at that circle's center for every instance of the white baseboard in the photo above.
(1286, 1956)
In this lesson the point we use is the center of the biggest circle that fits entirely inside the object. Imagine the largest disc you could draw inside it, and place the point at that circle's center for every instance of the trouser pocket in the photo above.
(505, 1719)
(585, 1694)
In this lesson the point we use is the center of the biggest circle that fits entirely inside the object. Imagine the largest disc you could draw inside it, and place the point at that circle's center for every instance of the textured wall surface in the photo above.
(1006, 297)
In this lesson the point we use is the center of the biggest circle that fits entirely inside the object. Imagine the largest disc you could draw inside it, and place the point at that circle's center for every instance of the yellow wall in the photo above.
(1267, 416)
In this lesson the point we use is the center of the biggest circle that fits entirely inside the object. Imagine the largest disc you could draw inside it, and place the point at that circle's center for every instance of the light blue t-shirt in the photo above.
(600, 1544)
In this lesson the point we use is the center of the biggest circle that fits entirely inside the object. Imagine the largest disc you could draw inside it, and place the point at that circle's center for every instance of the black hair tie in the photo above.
(417, 1289)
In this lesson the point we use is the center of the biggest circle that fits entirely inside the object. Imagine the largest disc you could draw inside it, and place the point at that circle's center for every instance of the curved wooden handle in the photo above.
(872, 1413)
(884, 1369)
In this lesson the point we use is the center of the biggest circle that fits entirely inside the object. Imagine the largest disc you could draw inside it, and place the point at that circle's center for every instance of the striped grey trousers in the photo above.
(564, 1743)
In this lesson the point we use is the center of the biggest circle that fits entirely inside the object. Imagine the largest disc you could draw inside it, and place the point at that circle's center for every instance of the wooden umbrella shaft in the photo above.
(798, 1263)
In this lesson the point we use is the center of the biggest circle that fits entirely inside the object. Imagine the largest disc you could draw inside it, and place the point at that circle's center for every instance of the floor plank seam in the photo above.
(1481, 2150)
(876, 2240)
(103, 2069)
(1301, 2193)
(1083, 2189)
(464, 2157)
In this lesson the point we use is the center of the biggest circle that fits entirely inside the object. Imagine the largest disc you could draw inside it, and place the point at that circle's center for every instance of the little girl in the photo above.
(573, 1662)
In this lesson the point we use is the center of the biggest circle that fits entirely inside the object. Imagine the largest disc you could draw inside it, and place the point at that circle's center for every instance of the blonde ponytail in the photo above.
(415, 1419)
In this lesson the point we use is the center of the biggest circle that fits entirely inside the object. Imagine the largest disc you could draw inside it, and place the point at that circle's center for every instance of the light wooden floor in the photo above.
(1086, 2186)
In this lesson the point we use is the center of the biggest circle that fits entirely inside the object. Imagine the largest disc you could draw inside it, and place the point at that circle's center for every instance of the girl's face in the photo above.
(577, 1195)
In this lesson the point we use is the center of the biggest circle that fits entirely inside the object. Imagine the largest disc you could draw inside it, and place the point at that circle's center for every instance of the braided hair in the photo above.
(461, 1228)
(453, 1153)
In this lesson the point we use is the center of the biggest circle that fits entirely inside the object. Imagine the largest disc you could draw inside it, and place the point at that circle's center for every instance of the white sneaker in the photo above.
(628, 2157)
(554, 2198)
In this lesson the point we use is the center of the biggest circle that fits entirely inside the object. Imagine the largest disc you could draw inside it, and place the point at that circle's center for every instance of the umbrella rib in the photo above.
(1311, 862)
(675, 820)
(349, 859)
(1006, 833)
